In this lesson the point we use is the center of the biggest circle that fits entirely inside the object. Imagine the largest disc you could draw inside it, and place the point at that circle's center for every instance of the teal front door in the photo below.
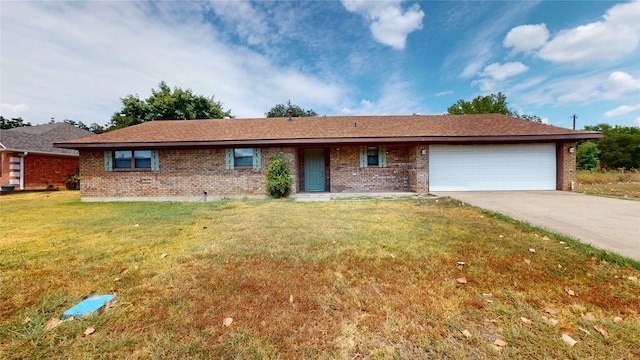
(314, 170)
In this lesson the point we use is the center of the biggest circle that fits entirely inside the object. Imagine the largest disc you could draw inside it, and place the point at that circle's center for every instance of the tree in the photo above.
(282, 110)
(587, 155)
(166, 104)
(489, 104)
(619, 146)
(12, 123)
(94, 128)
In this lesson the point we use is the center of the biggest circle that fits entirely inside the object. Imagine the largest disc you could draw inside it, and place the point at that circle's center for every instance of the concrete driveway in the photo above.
(605, 223)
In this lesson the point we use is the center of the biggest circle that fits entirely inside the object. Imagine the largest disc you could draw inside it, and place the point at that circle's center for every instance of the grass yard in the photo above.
(619, 184)
(331, 280)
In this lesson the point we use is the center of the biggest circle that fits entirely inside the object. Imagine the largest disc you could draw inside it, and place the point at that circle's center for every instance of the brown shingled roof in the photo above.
(330, 129)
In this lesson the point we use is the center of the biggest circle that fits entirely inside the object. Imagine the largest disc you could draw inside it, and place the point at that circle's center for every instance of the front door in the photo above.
(314, 170)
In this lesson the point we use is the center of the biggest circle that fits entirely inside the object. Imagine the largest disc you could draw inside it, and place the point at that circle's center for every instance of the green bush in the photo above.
(278, 177)
(72, 182)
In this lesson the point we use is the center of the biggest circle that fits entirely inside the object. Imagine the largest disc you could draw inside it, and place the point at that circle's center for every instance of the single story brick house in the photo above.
(28, 159)
(189, 160)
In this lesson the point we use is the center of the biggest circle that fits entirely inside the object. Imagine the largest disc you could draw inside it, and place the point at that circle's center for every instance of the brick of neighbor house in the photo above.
(184, 174)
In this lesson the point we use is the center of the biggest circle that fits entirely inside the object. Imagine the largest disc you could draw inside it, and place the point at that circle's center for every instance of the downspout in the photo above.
(22, 169)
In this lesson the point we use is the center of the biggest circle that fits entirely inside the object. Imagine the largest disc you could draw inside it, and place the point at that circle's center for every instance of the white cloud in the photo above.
(443, 93)
(13, 110)
(500, 72)
(593, 88)
(397, 97)
(493, 74)
(638, 121)
(622, 110)
(613, 38)
(389, 23)
(109, 50)
(526, 38)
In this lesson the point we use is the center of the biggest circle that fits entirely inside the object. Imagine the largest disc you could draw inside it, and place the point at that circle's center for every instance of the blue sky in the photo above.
(75, 60)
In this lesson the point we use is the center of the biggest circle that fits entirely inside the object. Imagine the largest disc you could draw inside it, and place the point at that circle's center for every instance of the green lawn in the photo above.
(323, 280)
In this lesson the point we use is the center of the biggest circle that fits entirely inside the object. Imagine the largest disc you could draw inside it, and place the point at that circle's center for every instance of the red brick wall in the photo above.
(348, 176)
(566, 169)
(183, 173)
(40, 170)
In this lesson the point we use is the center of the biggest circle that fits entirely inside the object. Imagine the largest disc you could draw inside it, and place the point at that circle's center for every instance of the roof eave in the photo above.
(341, 141)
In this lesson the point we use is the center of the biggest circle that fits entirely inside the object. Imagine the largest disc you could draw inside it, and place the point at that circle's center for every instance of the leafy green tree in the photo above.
(619, 146)
(166, 104)
(278, 177)
(12, 123)
(488, 104)
(282, 110)
(587, 155)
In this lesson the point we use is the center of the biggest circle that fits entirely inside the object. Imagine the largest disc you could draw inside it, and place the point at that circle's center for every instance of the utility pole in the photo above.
(574, 120)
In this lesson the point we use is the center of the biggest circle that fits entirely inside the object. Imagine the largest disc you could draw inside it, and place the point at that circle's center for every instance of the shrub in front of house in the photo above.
(278, 177)
(72, 182)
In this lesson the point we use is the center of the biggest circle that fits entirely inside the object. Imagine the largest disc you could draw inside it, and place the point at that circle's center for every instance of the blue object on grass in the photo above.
(88, 305)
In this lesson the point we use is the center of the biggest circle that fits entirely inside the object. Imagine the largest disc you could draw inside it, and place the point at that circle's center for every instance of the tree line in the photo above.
(618, 148)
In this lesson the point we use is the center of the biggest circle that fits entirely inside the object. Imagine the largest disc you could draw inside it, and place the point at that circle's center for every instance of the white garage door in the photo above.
(492, 167)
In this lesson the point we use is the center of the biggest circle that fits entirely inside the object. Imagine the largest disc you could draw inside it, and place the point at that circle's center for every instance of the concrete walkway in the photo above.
(606, 223)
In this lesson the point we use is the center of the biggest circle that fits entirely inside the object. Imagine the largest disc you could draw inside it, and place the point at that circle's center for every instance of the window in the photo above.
(372, 156)
(132, 159)
(242, 157)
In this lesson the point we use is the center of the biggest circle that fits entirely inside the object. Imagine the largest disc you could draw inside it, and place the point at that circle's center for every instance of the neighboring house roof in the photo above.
(40, 138)
(330, 130)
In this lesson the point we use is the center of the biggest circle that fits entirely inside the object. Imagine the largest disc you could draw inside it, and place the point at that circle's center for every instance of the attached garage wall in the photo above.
(492, 167)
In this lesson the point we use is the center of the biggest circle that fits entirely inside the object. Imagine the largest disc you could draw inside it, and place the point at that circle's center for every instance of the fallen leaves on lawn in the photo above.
(466, 333)
(527, 261)
(90, 330)
(163, 256)
(550, 311)
(26, 320)
(584, 331)
(568, 340)
(570, 292)
(532, 250)
(460, 265)
(550, 321)
(500, 343)
(564, 330)
(54, 323)
(116, 279)
(617, 319)
(462, 280)
(357, 357)
(546, 238)
(525, 320)
(589, 317)
(226, 322)
(600, 329)
(633, 278)
(124, 271)
(291, 299)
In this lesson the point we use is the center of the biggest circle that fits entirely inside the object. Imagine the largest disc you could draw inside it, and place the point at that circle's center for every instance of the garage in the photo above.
(492, 167)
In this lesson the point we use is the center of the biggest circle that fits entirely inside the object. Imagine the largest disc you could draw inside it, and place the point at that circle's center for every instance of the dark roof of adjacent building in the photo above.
(40, 138)
(331, 130)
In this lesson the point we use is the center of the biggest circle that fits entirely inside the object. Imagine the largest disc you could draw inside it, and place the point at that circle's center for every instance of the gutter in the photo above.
(337, 141)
